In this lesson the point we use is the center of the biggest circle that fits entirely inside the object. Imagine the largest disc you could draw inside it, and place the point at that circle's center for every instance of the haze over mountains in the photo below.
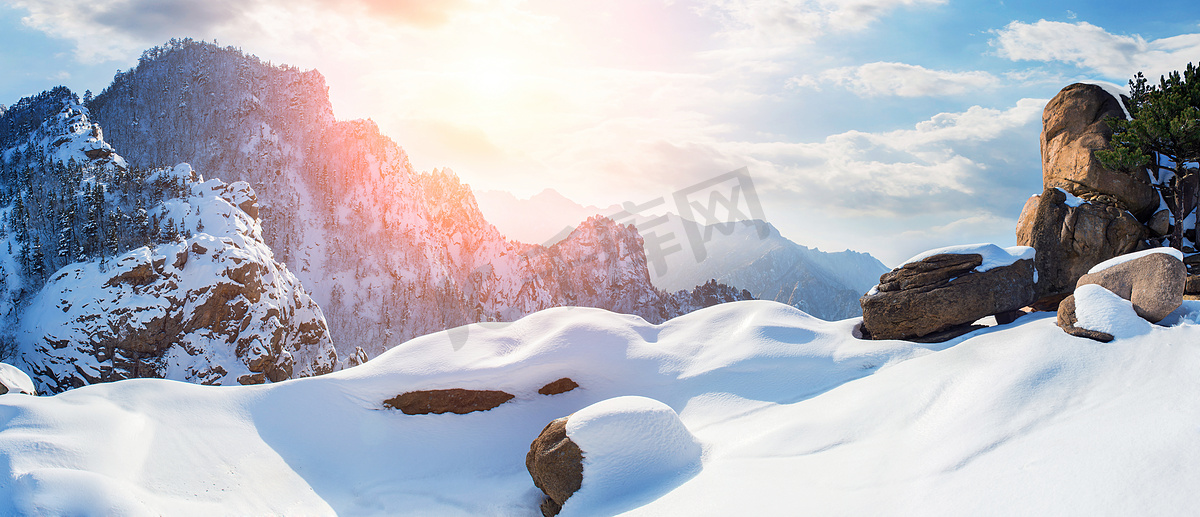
(387, 253)
(751, 255)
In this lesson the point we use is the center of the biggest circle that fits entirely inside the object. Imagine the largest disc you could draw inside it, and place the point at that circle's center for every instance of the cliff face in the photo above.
(388, 252)
(112, 272)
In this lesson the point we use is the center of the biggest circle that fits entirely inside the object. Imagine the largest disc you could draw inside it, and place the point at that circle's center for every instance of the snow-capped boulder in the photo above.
(211, 308)
(556, 465)
(631, 445)
(1073, 129)
(611, 450)
(1152, 282)
(13, 380)
(947, 288)
(1072, 235)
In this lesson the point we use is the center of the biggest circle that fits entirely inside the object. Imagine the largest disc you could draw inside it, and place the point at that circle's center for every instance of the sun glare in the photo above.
(490, 78)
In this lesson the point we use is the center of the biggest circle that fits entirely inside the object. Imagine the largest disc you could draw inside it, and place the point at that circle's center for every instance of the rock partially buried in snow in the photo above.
(632, 447)
(453, 400)
(562, 385)
(1152, 282)
(556, 465)
(13, 380)
(947, 288)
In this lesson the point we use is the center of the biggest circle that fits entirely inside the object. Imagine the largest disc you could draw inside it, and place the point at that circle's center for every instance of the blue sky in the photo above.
(887, 126)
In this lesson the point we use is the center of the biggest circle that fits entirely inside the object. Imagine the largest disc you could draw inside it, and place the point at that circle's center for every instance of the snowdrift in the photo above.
(793, 415)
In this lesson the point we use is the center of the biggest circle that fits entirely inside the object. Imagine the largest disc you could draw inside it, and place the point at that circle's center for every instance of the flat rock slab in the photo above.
(943, 292)
(453, 400)
(562, 385)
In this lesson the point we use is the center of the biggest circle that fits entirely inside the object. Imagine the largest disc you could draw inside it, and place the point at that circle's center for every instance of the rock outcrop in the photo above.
(212, 308)
(1152, 280)
(1073, 129)
(1086, 213)
(941, 292)
(454, 400)
(1071, 236)
(556, 465)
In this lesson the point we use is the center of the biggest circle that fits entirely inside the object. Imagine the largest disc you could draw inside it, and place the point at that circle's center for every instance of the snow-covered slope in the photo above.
(754, 256)
(388, 253)
(211, 308)
(111, 272)
(795, 416)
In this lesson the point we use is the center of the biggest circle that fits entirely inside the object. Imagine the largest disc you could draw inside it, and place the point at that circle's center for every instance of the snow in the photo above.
(993, 256)
(16, 380)
(1097, 308)
(1134, 256)
(796, 417)
(1116, 92)
(1072, 200)
(632, 446)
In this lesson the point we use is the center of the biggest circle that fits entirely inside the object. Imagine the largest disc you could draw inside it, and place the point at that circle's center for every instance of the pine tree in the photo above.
(141, 225)
(37, 265)
(66, 227)
(1162, 135)
(91, 228)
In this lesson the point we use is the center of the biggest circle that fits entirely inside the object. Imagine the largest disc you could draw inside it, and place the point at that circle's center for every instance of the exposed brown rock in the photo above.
(1067, 320)
(96, 154)
(1192, 285)
(1154, 283)
(562, 385)
(1004, 318)
(1073, 128)
(1160, 223)
(453, 400)
(556, 465)
(942, 292)
(1071, 239)
(140, 274)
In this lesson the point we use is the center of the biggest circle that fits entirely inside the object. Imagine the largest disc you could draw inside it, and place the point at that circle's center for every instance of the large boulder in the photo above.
(556, 465)
(1153, 281)
(1072, 235)
(948, 288)
(612, 452)
(1073, 129)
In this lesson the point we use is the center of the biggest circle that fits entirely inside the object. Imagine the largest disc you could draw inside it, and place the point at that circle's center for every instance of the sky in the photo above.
(885, 126)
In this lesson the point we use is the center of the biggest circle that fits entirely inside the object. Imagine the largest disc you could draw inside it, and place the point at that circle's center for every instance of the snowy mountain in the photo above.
(752, 255)
(766, 264)
(387, 252)
(793, 414)
(113, 272)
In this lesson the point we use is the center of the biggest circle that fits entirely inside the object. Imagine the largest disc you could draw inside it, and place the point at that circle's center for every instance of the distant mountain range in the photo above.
(315, 234)
(747, 255)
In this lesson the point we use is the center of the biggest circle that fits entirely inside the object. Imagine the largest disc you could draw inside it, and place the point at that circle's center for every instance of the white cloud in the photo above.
(899, 79)
(786, 23)
(1091, 47)
(972, 159)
